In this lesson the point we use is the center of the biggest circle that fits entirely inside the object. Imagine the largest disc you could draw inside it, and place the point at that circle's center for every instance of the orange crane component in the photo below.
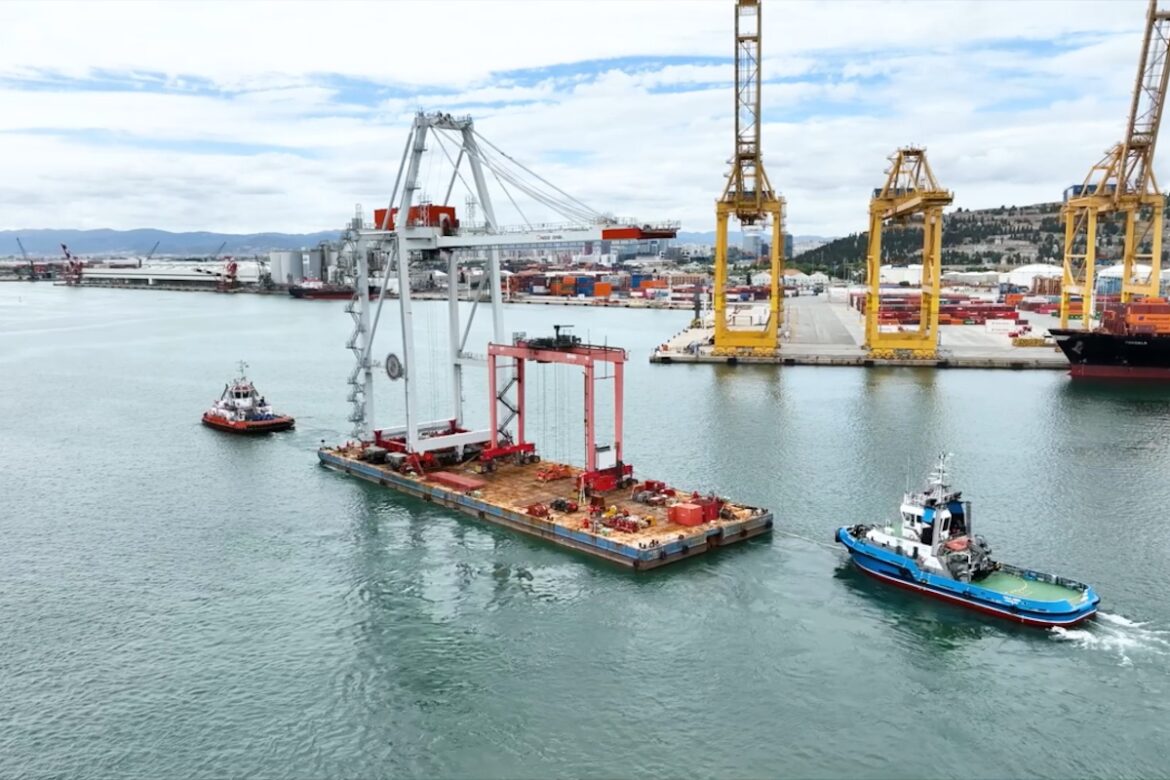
(910, 191)
(748, 194)
(1122, 183)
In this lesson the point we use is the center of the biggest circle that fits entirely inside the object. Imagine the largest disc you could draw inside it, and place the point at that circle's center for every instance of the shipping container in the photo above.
(686, 514)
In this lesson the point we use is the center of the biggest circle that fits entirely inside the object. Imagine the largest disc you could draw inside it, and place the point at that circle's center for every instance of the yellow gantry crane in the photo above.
(1122, 184)
(748, 194)
(910, 190)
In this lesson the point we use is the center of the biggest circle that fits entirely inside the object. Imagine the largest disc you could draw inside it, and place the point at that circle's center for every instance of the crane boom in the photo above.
(1145, 113)
(32, 269)
(1122, 184)
(748, 195)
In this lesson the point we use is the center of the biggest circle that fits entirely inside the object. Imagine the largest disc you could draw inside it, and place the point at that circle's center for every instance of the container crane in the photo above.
(1122, 184)
(910, 191)
(748, 194)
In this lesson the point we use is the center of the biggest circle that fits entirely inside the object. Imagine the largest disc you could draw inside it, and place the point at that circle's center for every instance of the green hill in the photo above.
(993, 238)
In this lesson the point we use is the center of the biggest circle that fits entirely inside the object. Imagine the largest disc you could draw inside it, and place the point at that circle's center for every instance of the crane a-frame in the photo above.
(748, 194)
(910, 190)
(1122, 184)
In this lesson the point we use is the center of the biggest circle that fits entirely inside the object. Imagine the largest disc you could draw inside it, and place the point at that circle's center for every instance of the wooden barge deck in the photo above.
(502, 497)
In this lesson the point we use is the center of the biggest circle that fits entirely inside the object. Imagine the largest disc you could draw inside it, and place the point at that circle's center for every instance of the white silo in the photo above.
(295, 268)
(277, 266)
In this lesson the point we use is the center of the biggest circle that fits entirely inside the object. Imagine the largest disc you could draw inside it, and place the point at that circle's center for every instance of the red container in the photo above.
(686, 514)
(456, 481)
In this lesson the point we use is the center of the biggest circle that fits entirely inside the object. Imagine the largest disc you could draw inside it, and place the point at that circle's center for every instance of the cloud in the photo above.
(255, 116)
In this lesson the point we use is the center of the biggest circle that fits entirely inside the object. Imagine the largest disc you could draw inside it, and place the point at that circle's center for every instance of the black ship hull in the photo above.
(326, 293)
(1097, 354)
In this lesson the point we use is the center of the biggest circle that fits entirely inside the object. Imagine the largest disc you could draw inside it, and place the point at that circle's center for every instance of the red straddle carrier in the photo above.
(566, 349)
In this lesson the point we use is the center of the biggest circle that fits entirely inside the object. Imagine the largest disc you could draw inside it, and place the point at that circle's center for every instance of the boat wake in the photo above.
(1119, 635)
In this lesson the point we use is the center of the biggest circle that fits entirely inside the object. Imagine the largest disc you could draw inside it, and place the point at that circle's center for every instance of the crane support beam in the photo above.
(1122, 186)
(749, 197)
(910, 191)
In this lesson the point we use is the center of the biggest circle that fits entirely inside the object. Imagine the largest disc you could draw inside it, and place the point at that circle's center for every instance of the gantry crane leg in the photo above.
(1079, 269)
(910, 190)
(752, 340)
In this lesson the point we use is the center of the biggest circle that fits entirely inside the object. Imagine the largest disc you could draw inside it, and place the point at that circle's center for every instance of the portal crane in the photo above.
(1122, 184)
(910, 190)
(748, 194)
(32, 269)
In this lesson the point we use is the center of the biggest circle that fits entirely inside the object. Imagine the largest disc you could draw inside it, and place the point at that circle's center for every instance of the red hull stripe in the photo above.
(1119, 372)
(278, 423)
(974, 605)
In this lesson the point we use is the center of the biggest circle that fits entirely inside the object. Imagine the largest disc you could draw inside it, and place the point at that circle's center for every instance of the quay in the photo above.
(818, 332)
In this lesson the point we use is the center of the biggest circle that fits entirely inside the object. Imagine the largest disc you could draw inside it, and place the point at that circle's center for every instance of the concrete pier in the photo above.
(818, 332)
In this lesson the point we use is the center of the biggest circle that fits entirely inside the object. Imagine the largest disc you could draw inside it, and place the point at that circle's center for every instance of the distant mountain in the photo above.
(734, 238)
(47, 243)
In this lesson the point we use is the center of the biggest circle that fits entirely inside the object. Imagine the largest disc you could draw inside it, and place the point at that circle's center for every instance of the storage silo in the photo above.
(315, 268)
(277, 266)
(295, 268)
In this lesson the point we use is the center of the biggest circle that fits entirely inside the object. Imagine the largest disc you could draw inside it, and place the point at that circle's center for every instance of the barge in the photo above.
(515, 497)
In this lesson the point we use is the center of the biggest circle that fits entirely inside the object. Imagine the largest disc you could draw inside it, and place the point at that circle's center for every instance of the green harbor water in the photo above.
(176, 602)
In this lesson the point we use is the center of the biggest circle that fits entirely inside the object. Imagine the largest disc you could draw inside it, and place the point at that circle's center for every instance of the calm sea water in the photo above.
(179, 603)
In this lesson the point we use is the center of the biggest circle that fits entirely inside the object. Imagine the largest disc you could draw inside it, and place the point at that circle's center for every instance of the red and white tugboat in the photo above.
(240, 409)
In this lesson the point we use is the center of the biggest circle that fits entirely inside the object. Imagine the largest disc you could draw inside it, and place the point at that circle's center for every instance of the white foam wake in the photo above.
(1117, 634)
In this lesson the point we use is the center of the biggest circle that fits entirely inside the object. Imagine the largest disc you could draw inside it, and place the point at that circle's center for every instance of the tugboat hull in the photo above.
(273, 425)
(1001, 602)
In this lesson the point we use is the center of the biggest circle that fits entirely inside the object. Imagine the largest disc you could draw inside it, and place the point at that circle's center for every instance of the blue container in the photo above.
(1109, 285)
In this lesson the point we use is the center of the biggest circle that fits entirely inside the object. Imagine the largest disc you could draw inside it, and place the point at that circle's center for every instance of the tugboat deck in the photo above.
(1024, 588)
(507, 493)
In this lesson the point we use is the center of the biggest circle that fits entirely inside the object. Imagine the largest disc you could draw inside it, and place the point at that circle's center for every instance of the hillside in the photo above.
(47, 243)
(1004, 236)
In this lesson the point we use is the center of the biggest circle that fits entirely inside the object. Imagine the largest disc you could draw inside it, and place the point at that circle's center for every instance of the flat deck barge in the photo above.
(505, 495)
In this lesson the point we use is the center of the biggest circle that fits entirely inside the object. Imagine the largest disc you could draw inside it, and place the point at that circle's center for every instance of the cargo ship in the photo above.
(1133, 342)
(931, 549)
(312, 289)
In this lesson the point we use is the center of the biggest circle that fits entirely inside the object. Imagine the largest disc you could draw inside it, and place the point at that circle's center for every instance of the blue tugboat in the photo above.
(930, 549)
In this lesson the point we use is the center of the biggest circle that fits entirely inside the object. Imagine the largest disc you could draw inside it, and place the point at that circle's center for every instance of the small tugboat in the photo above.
(930, 549)
(240, 409)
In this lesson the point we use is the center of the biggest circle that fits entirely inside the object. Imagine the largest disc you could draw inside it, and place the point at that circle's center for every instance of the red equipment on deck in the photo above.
(569, 350)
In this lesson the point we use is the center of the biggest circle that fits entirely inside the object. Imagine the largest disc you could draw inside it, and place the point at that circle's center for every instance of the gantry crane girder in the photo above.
(1122, 185)
(748, 195)
(910, 190)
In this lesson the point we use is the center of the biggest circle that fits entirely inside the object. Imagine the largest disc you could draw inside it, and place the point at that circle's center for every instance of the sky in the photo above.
(250, 116)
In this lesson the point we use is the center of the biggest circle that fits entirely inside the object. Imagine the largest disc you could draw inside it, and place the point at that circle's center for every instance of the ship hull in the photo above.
(904, 573)
(1100, 355)
(326, 293)
(249, 427)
